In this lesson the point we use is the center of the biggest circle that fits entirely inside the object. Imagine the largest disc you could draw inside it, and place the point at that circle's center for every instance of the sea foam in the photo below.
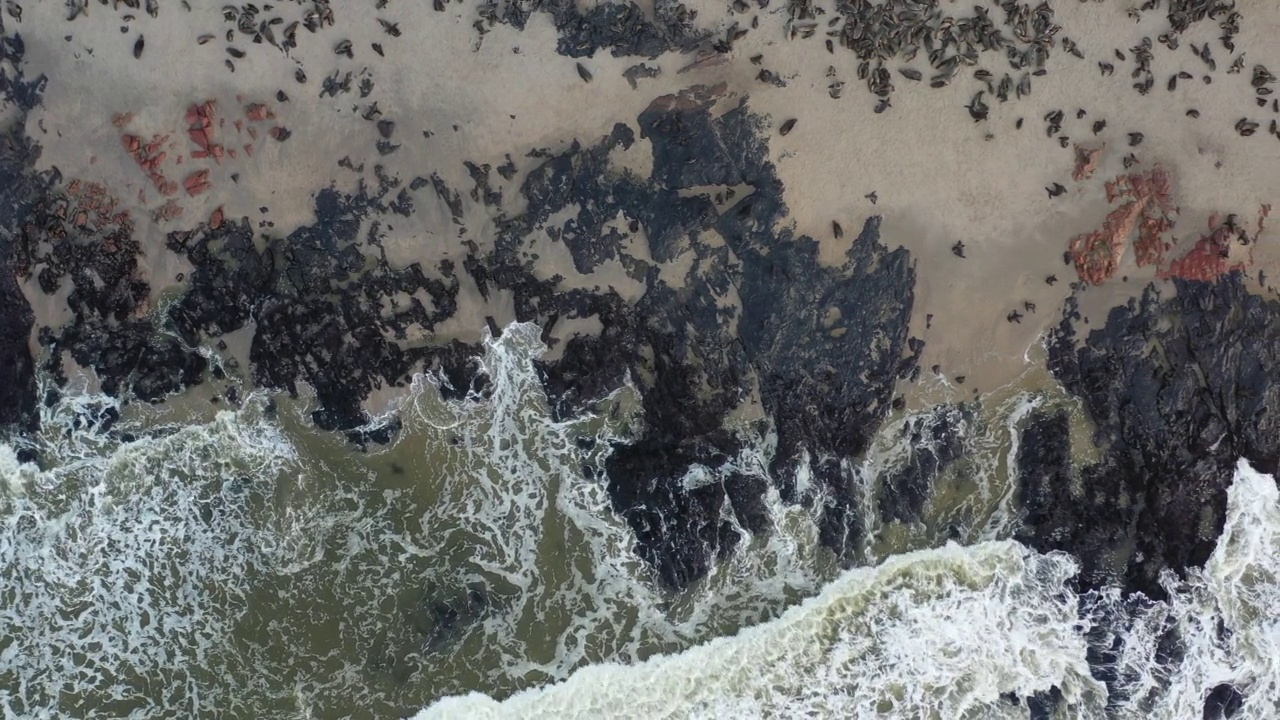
(958, 632)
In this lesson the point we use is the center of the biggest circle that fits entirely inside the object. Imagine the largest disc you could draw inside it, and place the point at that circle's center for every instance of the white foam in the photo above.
(942, 633)
(1238, 591)
(124, 565)
(112, 581)
(933, 633)
(547, 535)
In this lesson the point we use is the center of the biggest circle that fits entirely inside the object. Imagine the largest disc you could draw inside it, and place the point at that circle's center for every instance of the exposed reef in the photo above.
(935, 440)
(20, 189)
(751, 314)
(822, 345)
(1179, 386)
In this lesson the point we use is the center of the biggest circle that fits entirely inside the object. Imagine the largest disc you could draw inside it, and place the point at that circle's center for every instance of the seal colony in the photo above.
(673, 242)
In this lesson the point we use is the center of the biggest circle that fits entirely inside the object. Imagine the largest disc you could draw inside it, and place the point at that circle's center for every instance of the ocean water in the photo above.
(207, 561)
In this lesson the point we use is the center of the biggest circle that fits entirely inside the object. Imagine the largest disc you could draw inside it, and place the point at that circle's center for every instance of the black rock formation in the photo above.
(318, 310)
(1223, 702)
(1179, 388)
(20, 190)
(934, 441)
(823, 344)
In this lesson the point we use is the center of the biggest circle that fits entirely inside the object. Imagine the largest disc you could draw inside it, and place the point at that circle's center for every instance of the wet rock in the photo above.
(313, 303)
(20, 188)
(826, 375)
(935, 441)
(828, 372)
(679, 531)
(1223, 702)
(442, 616)
(1044, 705)
(746, 493)
(1178, 388)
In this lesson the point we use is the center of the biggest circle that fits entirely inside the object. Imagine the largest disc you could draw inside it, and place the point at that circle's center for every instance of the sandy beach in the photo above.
(937, 177)
(847, 301)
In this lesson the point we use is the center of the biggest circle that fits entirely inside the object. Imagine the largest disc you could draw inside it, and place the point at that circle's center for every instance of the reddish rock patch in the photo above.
(1148, 208)
(197, 182)
(1207, 259)
(1097, 254)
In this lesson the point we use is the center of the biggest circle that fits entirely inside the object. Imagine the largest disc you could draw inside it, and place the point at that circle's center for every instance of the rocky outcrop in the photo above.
(824, 345)
(1179, 386)
(934, 441)
(20, 189)
(318, 313)
(750, 310)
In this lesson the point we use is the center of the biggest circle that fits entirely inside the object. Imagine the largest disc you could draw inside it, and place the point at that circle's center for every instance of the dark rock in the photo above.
(746, 495)
(934, 442)
(678, 529)
(441, 617)
(1178, 390)
(20, 190)
(1223, 702)
(483, 191)
(826, 374)
(318, 310)
(1044, 705)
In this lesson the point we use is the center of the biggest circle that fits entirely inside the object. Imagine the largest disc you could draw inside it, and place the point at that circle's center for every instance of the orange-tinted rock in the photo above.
(215, 219)
(248, 149)
(1148, 206)
(258, 112)
(1097, 254)
(169, 211)
(1159, 187)
(197, 182)
(1208, 259)
(1150, 246)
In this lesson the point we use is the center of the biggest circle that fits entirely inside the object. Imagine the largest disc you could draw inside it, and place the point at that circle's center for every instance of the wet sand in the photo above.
(939, 177)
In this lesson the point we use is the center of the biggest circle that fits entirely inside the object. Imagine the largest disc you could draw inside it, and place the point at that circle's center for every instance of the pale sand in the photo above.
(937, 179)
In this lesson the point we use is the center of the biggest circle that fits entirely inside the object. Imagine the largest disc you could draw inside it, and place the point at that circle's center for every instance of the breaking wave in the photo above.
(239, 564)
(967, 632)
(125, 564)
(243, 565)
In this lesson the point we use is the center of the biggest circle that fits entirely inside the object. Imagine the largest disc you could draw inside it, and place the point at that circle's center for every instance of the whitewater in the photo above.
(235, 562)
